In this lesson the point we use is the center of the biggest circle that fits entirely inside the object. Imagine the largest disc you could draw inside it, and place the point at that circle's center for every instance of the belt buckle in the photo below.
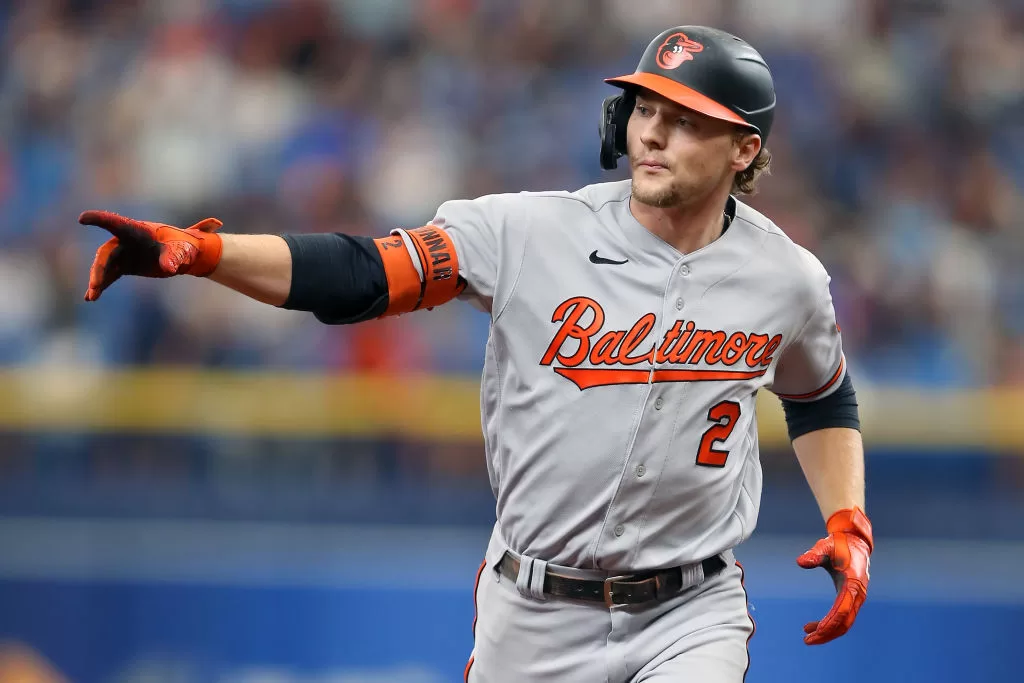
(609, 593)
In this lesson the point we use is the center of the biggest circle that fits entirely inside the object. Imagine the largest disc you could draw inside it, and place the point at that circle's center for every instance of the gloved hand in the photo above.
(150, 250)
(846, 554)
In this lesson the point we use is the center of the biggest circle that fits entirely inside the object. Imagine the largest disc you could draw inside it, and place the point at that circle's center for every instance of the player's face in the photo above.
(679, 156)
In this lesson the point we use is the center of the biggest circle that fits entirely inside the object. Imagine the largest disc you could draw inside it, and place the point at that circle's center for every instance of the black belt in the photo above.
(628, 589)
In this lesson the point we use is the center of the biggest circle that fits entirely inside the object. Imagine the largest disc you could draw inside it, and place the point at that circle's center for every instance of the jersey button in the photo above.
(679, 304)
(685, 270)
(619, 530)
(640, 471)
(659, 403)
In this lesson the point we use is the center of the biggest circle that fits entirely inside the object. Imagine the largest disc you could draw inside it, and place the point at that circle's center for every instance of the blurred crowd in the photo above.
(898, 158)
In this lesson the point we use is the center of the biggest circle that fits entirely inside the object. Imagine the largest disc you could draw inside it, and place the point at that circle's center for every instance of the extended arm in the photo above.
(340, 278)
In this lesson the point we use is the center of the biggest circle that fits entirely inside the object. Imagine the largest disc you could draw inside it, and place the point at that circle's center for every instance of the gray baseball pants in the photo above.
(699, 635)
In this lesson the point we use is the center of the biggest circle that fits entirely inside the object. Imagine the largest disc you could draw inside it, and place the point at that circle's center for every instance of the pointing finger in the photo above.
(118, 226)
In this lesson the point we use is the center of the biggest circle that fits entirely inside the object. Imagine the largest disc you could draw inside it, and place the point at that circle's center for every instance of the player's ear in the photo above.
(745, 147)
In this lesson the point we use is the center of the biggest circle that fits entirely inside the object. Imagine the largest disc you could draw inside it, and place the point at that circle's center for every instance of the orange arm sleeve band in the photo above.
(435, 282)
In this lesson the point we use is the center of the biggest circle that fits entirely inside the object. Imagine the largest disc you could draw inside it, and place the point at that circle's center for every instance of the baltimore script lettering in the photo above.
(683, 344)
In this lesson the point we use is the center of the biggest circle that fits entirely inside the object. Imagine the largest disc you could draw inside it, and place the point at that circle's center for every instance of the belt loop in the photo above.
(692, 575)
(540, 570)
(523, 578)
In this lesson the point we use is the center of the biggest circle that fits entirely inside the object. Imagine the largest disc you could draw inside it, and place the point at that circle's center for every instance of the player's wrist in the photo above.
(851, 521)
(209, 248)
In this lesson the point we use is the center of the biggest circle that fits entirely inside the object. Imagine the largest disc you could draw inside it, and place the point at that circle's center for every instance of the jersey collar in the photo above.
(647, 241)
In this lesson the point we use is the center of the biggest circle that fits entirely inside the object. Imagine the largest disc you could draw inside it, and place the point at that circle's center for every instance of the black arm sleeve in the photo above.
(838, 409)
(339, 278)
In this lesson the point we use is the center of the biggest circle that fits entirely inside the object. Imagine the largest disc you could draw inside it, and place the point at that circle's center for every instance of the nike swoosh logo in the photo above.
(594, 258)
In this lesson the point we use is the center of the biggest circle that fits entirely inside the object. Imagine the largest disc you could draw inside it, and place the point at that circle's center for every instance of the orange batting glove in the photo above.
(846, 554)
(150, 250)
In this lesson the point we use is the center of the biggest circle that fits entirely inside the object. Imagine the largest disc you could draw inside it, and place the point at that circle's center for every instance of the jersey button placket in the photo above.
(619, 529)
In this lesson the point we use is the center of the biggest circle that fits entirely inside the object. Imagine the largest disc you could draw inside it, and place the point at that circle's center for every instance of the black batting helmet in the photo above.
(701, 68)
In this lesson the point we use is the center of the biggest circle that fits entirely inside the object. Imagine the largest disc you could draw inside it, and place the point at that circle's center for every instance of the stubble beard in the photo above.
(664, 197)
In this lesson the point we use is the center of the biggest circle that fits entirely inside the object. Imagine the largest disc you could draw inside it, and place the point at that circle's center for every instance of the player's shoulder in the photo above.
(590, 198)
(778, 248)
(594, 197)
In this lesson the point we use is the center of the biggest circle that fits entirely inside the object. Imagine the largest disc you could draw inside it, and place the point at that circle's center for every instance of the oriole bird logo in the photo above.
(677, 49)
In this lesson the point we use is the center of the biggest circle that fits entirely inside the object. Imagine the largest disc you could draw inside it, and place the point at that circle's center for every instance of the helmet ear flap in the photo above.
(615, 113)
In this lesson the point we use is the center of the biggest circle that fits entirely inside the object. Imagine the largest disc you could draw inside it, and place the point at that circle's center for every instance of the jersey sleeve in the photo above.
(466, 251)
(489, 234)
(812, 366)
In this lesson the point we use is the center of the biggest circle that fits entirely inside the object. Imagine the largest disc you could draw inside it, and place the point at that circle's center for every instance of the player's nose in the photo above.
(653, 133)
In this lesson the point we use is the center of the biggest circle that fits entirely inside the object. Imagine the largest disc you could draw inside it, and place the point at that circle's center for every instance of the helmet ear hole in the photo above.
(615, 113)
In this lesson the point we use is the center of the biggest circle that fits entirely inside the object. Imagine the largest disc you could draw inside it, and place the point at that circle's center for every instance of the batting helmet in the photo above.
(701, 68)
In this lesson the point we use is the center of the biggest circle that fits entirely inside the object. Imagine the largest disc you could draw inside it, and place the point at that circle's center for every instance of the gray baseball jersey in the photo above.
(618, 393)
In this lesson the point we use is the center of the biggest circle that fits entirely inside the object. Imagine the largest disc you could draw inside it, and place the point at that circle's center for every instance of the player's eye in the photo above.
(683, 121)
(642, 109)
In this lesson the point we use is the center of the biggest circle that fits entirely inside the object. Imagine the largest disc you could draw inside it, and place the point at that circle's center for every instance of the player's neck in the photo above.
(687, 228)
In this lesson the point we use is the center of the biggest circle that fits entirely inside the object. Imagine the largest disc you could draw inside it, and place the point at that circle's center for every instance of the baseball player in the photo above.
(632, 325)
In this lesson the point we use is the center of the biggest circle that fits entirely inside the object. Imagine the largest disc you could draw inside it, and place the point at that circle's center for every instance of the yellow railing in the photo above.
(421, 407)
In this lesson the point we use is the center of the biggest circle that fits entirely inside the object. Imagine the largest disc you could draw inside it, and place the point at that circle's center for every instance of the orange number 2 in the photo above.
(724, 415)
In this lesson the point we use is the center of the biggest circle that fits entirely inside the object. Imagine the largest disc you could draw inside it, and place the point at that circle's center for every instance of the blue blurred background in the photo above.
(198, 488)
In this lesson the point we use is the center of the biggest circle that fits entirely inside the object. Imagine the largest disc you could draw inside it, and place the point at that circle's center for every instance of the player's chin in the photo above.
(649, 183)
(653, 192)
